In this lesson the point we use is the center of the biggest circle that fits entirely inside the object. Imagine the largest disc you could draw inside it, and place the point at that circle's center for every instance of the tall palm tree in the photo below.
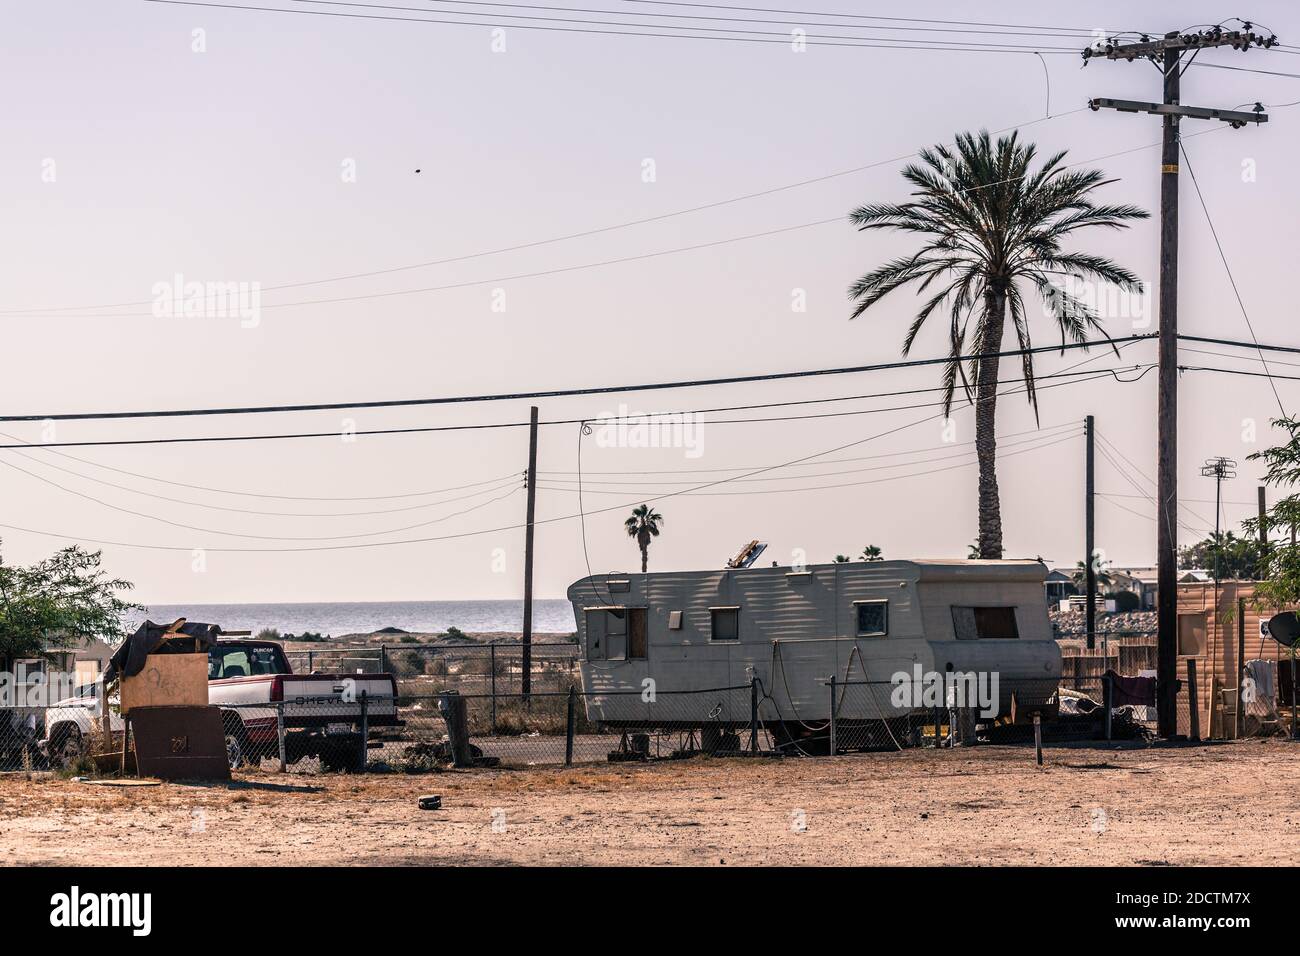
(993, 227)
(643, 525)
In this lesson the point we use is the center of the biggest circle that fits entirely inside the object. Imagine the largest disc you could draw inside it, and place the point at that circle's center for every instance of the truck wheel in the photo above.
(66, 747)
(235, 750)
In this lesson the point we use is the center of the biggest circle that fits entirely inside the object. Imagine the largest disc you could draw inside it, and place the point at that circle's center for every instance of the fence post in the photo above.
(1038, 737)
(753, 715)
(365, 731)
(383, 658)
(568, 727)
(492, 669)
(279, 733)
(1193, 704)
(309, 661)
(832, 741)
(1107, 701)
(938, 738)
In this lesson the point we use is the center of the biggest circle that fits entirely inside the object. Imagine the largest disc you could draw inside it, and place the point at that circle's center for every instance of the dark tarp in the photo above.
(1135, 691)
(148, 639)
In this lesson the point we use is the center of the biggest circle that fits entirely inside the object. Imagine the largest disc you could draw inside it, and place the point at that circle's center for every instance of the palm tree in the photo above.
(872, 553)
(643, 525)
(841, 559)
(1103, 575)
(993, 228)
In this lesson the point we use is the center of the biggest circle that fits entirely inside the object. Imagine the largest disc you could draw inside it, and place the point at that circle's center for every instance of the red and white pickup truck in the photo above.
(322, 712)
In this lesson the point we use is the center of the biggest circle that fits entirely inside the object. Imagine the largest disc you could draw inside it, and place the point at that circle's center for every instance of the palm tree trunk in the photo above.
(645, 558)
(986, 441)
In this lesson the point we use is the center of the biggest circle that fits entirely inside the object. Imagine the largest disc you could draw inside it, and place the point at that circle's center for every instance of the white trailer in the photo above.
(647, 638)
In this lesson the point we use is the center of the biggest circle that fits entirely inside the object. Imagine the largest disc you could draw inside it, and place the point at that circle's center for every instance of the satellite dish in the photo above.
(1284, 628)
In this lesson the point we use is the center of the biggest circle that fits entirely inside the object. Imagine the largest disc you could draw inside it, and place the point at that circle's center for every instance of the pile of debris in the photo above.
(1074, 624)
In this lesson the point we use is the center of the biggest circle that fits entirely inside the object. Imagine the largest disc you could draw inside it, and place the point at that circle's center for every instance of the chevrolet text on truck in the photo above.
(322, 712)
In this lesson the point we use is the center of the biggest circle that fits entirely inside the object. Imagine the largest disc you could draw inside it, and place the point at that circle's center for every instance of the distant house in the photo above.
(1060, 585)
(85, 658)
(1143, 582)
(1138, 581)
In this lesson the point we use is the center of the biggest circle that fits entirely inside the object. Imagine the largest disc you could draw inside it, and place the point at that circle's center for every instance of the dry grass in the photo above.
(1124, 805)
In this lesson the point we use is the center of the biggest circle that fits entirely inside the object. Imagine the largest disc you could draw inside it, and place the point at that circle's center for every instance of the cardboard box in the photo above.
(168, 680)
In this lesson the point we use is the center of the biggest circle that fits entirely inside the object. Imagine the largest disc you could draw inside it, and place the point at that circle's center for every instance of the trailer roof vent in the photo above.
(619, 584)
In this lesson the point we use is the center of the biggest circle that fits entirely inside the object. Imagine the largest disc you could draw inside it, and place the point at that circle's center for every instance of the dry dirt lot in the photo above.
(1224, 804)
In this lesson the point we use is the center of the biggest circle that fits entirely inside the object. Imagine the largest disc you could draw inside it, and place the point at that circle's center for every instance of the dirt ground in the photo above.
(1222, 804)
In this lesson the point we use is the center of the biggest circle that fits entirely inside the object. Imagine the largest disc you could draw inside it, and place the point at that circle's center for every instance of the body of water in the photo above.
(337, 619)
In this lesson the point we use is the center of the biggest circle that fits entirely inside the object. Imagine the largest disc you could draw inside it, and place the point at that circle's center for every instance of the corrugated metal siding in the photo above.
(796, 630)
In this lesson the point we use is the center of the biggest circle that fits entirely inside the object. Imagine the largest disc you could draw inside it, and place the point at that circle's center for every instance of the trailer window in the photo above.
(984, 623)
(873, 618)
(725, 624)
(616, 634)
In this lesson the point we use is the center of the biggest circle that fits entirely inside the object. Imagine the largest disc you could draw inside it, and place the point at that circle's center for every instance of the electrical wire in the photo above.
(65, 313)
(685, 28)
(588, 30)
(568, 392)
(1073, 428)
(1231, 279)
(119, 442)
(249, 535)
(830, 461)
(553, 239)
(831, 487)
(497, 530)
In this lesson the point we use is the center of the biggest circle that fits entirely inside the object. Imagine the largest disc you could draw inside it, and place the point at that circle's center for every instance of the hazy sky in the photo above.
(285, 151)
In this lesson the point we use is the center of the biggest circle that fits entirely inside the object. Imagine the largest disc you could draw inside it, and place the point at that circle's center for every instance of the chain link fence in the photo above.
(411, 732)
(493, 668)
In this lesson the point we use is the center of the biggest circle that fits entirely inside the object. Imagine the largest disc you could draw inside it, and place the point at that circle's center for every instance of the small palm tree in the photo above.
(841, 559)
(872, 553)
(993, 228)
(643, 525)
(1080, 575)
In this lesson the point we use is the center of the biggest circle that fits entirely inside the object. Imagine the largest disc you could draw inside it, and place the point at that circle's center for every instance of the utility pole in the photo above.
(1090, 541)
(1218, 469)
(1167, 54)
(526, 681)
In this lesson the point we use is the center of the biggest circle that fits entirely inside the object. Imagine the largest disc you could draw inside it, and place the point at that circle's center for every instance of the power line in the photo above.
(259, 537)
(64, 312)
(515, 527)
(554, 475)
(861, 16)
(618, 488)
(787, 36)
(1058, 33)
(557, 393)
(187, 440)
(557, 482)
(831, 487)
(548, 241)
(588, 30)
(1231, 279)
(1237, 343)
(512, 480)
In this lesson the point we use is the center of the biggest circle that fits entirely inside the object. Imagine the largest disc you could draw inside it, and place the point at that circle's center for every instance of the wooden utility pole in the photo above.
(1167, 54)
(1090, 541)
(526, 680)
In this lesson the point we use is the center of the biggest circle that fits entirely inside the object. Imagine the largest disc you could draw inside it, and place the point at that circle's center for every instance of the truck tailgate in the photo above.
(329, 698)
